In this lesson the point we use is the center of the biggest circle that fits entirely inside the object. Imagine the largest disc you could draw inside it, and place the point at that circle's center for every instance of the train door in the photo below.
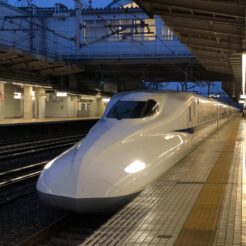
(190, 118)
(218, 115)
(194, 113)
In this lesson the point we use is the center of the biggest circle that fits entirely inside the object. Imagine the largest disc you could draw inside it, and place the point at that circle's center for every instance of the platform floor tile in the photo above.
(169, 211)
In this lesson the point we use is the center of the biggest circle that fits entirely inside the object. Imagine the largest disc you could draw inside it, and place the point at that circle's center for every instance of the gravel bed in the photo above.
(23, 217)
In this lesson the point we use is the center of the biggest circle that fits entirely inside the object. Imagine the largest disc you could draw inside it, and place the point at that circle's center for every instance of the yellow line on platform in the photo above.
(202, 222)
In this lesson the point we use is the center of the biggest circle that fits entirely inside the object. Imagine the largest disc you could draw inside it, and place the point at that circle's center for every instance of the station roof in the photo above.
(212, 30)
(27, 66)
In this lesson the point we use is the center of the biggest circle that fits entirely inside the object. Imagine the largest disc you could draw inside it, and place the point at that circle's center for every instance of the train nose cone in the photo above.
(66, 175)
(62, 185)
(84, 195)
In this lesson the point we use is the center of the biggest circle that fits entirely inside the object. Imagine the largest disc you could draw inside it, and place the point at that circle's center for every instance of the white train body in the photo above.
(140, 136)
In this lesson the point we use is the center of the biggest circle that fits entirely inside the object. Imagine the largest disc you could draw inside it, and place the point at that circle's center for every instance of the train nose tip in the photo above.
(85, 195)
(77, 187)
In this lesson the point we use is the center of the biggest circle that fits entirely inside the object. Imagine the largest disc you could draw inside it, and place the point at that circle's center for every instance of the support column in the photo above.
(243, 91)
(40, 103)
(75, 106)
(28, 114)
(1, 101)
(100, 108)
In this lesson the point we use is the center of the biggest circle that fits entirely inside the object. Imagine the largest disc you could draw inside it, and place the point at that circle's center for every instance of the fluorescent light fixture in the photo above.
(135, 167)
(61, 94)
(241, 101)
(106, 99)
(243, 96)
(38, 86)
(33, 95)
(17, 95)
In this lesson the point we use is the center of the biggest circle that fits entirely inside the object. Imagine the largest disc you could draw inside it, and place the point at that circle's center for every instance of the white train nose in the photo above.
(81, 188)
(87, 196)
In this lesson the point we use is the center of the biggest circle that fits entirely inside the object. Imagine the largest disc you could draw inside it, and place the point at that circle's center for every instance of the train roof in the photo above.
(178, 94)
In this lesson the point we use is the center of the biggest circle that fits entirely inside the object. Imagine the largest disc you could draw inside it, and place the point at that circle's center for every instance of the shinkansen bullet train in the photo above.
(140, 136)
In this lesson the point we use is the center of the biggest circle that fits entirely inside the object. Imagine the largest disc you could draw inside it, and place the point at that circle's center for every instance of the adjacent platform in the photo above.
(13, 131)
(46, 120)
(200, 201)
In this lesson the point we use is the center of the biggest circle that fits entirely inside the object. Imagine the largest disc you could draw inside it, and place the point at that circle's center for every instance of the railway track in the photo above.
(11, 177)
(17, 178)
(17, 156)
(68, 230)
(19, 150)
(19, 182)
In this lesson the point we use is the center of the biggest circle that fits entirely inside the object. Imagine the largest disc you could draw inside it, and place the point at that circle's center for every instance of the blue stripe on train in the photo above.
(187, 130)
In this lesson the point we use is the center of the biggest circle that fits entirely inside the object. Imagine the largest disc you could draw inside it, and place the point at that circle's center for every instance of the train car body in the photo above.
(140, 136)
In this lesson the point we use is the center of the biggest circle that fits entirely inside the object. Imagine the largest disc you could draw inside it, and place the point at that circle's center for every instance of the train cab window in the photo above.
(133, 109)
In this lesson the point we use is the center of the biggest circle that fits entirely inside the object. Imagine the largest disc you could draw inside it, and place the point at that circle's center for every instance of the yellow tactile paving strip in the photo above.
(201, 224)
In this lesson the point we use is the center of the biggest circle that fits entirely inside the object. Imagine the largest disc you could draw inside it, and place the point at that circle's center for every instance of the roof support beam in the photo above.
(214, 54)
(207, 60)
(194, 17)
(210, 43)
(217, 68)
(212, 34)
(207, 7)
(204, 26)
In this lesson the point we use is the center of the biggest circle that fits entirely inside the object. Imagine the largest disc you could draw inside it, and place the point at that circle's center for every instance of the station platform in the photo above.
(46, 120)
(200, 201)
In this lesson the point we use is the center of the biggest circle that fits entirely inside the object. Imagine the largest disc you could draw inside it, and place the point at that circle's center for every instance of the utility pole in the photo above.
(78, 9)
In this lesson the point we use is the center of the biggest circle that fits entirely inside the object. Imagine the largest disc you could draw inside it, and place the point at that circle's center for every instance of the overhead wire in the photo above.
(29, 35)
(38, 25)
(163, 43)
(103, 37)
(142, 46)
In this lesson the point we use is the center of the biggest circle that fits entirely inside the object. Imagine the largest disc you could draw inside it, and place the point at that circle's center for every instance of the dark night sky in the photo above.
(69, 3)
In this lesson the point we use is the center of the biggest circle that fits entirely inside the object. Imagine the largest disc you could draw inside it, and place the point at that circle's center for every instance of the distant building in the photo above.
(119, 29)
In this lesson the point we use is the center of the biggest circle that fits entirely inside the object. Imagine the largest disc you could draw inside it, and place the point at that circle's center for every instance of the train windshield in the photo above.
(132, 109)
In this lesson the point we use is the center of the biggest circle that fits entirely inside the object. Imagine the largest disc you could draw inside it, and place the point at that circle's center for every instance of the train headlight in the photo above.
(135, 167)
